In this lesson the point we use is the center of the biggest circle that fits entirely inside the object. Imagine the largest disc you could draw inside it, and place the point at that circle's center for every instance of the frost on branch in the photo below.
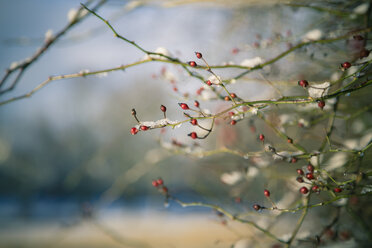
(214, 80)
(361, 9)
(72, 15)
(48, 35)
(159, 50)
(252, 62)
(315, 34)
(318, 90)
(232, 177)
(158, 124)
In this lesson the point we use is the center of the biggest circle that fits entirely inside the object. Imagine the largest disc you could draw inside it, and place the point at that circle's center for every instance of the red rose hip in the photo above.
(267, 193)
(133, 130)
(144, 128)
(192, 63)
(163, 108)
(193, 135)
(300, 172)
(303, 83)
(184, 106)
(304, 190)
(346, 65)
(337, 190)
(198, 55)
(256, 207)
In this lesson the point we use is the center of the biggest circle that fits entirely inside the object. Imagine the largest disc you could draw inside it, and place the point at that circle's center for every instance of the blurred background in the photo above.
(71, 175)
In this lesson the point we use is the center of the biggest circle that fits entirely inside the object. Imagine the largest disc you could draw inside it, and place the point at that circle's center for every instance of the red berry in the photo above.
(227, 98)
(346, 65)
(193, 135)
(144, 128)
(310, 176)
(235, 50)
(267, 193)
(165, 189)
(304, 190)
(192, 64)
(337, 190)
(233, 122)
(160, 181)
(321, 104)
(315, 188)
(289, 140)
(231, 113)
(208, 82)
(196, 103)
(184, 106)
(233, 95)
(256, 207)
(194, 122)
(198, 55)
(163, 108)
(294, 160)
(300, 179)
(310, 168)
(133, 130)
(300, 172)
(199, 91)
(303, 83)
(155, 183)
(261, 137)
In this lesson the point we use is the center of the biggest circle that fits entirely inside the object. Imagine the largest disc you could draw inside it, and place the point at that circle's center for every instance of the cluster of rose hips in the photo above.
(184, 106)
(193, 121)
(134, 130)
(310, 176)
(159, 184)
(303, 190)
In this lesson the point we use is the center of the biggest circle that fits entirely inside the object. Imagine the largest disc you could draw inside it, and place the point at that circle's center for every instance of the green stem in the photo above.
(299, 222)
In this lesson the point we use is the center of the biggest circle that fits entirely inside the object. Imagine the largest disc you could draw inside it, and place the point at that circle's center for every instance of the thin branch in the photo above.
(48, 43)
